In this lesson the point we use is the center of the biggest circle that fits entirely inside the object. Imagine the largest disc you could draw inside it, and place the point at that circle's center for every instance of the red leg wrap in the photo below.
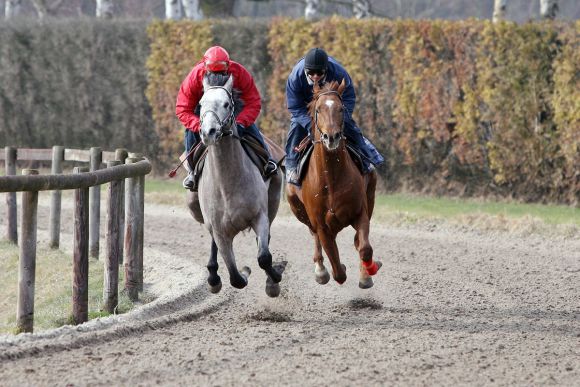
(371, 267)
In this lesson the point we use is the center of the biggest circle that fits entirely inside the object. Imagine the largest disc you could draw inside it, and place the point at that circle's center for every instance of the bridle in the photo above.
(227, 123)
(322, 134)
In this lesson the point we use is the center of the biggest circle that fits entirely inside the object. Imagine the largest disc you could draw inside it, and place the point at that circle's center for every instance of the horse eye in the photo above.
(226, 105)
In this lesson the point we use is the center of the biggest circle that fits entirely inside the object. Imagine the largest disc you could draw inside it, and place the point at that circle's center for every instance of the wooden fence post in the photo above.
(95, 205)
(132, 225)
(114, 211)
(12, 226)
(121, 154)
(141, 230)
(55, 198)
(27, 264)
(81, 253)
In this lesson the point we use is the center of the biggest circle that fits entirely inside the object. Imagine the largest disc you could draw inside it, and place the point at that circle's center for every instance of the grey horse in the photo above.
(232, 195)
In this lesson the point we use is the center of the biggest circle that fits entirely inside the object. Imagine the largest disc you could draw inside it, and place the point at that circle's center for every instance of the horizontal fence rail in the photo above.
(125, 212)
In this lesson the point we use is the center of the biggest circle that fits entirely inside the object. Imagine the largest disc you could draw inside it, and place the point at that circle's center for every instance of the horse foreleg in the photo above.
(329, 244)
(238, 279)
(214, 281)
(368, 267)
(262, 229)
(320, 272)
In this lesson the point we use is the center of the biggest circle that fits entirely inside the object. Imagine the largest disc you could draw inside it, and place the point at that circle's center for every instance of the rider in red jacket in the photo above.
(217, 60)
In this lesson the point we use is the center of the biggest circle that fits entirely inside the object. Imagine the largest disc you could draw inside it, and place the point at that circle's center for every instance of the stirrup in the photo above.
(270, 169)
(188, 182)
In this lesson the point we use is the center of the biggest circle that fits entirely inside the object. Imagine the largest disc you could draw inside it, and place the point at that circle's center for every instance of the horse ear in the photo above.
(316, 88)
(341, 87)
(230, 83)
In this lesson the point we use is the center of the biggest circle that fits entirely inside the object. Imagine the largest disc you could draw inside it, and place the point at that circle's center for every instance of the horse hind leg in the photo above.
(213, 280)
(320, 273)
(238, 279)
(329, 244)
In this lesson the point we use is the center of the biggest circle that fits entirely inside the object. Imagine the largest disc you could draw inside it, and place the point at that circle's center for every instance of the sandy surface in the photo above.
(449, 307)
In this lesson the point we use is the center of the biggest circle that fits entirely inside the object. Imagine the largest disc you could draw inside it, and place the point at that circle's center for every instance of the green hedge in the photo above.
(76, 83)
(464, 107)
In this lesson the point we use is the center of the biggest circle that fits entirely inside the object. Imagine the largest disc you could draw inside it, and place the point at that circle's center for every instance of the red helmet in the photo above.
(216, 59)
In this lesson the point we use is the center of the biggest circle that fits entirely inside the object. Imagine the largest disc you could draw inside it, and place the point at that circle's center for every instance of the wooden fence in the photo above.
(124, 212)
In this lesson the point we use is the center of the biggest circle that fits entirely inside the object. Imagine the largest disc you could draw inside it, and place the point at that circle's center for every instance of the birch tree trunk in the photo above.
(105, 9)
(548, 8)
(172, 9)
(499, 7)
(43, 9)
(192, 10)
(311, 9)
(361, 8)
(12, 8)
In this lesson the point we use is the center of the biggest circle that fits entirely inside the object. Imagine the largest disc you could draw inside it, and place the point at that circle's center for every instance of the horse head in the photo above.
(327, 112)
(217, 111)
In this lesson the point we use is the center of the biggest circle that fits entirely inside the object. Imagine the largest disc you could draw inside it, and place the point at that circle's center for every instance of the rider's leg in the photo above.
(355, 137)
(295, 136)
(253, 130)
(191, 139)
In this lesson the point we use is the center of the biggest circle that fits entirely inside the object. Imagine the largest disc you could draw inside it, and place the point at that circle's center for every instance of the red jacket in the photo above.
(191, 91)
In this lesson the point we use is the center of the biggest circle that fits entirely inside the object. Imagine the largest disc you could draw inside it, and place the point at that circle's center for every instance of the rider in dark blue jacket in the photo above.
(317, 66)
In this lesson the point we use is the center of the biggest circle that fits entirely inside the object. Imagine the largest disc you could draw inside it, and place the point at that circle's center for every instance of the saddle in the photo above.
(305, 148)
(251, 146)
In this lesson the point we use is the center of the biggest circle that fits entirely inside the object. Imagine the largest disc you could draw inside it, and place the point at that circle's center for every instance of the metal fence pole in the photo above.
(11, 203)
(27, 264)
(55, 198)
(81, 253)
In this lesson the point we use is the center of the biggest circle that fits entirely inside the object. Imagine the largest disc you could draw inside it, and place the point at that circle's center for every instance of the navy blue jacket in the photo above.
(299, 92)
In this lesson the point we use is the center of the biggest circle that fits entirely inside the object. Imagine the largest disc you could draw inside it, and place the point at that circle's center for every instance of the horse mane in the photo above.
(328, 86)
(217, 79)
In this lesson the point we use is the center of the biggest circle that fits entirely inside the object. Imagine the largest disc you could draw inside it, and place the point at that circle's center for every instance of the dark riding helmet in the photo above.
(316, 59)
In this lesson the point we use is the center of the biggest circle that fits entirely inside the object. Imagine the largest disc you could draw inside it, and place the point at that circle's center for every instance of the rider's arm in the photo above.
(296, 101)
(250, 96)
(349, 96)
(190, 93)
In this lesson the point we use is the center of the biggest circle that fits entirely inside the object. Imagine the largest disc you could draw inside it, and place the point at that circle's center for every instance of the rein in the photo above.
(225, 125)
(314, 141)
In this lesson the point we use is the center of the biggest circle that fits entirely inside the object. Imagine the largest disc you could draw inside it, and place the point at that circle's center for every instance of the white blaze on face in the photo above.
(329, 103)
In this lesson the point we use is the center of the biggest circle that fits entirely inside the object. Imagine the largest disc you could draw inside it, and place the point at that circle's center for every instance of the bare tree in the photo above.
(361, 8)
(311, 10)
(44, 8)
(548, 8)
(12, 8)
(172, 9)
(499, 8)
(105, 9)
(192, 10)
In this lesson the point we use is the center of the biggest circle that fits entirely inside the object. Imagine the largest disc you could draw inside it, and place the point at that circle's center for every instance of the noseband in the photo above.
(226, 124)
(316, 116)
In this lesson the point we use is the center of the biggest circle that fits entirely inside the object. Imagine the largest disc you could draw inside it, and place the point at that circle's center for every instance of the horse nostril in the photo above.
(325, 136)
(337, 137)
(212, 132)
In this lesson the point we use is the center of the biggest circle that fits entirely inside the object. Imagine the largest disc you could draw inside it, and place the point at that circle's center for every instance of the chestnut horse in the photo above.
(334, 193)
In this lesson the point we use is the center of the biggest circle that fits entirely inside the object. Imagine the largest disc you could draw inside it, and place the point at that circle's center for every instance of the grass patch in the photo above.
(53, 289)
(402, 208)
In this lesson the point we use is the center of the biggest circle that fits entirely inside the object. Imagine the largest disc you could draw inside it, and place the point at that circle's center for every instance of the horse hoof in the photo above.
(245, 272)
(366, 283)
(272, 289)
(323, 278)
(215, 288)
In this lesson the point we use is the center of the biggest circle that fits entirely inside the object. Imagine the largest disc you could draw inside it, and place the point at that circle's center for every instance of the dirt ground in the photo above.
(450, 306)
